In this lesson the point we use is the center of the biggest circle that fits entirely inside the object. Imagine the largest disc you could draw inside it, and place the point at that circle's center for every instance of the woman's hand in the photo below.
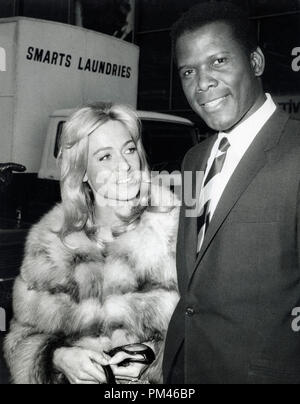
(81, 366)
(131, 372)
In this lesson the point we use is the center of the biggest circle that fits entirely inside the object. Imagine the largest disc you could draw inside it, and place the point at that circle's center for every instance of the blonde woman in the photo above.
(99, 269)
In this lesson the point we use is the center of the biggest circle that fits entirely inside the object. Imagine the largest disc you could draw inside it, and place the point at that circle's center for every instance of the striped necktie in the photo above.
(207, 191)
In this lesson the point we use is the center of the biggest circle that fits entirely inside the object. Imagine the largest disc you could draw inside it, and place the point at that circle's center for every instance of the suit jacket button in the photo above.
(190, 312)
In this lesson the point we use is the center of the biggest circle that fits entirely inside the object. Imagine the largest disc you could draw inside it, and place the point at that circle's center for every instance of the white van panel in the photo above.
(49, 68)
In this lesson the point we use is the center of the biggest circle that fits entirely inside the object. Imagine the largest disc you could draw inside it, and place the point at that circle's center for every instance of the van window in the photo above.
(166, 144)
(60, 127)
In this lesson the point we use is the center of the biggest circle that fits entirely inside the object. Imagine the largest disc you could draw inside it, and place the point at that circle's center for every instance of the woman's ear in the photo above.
(258, 62)
(85, 179)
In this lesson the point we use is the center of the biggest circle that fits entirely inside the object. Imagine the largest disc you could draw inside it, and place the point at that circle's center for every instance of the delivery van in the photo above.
(51, 66)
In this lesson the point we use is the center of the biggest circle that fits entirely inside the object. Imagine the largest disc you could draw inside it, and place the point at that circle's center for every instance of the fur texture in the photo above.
(85, 297)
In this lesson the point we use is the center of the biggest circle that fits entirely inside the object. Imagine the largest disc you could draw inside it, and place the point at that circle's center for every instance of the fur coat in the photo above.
(87, 298)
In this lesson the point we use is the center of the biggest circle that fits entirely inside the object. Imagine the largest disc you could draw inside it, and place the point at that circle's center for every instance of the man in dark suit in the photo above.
(239, 256)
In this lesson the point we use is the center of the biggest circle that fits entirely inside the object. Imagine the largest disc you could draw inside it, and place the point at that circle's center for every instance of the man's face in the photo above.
(218, 77)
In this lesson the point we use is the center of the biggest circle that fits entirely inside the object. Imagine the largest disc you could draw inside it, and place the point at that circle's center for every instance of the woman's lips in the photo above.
(128, 180)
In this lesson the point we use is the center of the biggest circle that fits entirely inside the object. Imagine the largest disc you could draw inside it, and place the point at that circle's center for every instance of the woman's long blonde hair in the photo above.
(77, 197)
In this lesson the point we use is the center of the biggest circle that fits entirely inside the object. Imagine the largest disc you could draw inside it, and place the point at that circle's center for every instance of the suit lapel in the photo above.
(252, 162)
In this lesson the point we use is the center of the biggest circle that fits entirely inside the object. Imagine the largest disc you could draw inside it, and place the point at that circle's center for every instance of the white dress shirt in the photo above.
(240, 139)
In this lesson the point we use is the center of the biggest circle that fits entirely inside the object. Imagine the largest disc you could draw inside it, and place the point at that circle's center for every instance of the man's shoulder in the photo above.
(291, 134)
(293, 125)
(281, 130)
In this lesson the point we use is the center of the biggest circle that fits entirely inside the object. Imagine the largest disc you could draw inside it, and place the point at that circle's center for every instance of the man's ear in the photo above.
(258, 62)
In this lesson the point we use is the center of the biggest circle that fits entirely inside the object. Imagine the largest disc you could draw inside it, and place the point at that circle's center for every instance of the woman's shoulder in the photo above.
(50, 224)
(46, 233)
(43, 248)
(48, 258)
(52, 219)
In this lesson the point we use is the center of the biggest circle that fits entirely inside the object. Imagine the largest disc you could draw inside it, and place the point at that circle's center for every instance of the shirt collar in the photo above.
(242, 135)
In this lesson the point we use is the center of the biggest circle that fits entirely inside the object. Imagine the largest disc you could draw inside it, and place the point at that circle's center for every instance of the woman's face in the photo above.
(114, 164)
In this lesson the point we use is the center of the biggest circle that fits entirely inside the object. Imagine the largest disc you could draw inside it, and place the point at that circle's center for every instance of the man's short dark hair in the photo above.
(218, 11)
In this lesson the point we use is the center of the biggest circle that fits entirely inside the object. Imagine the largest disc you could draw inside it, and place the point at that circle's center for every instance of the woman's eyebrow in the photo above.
(102, 149)
(111, 148)
(128, 142)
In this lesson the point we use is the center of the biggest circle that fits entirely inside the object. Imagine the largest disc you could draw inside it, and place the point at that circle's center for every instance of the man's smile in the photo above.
(211, 106)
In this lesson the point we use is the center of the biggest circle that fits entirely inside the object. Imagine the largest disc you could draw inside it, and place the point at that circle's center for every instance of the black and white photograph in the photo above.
(150, 194)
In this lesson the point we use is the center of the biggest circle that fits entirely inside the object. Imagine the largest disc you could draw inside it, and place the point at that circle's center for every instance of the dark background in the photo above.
(278, 28)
